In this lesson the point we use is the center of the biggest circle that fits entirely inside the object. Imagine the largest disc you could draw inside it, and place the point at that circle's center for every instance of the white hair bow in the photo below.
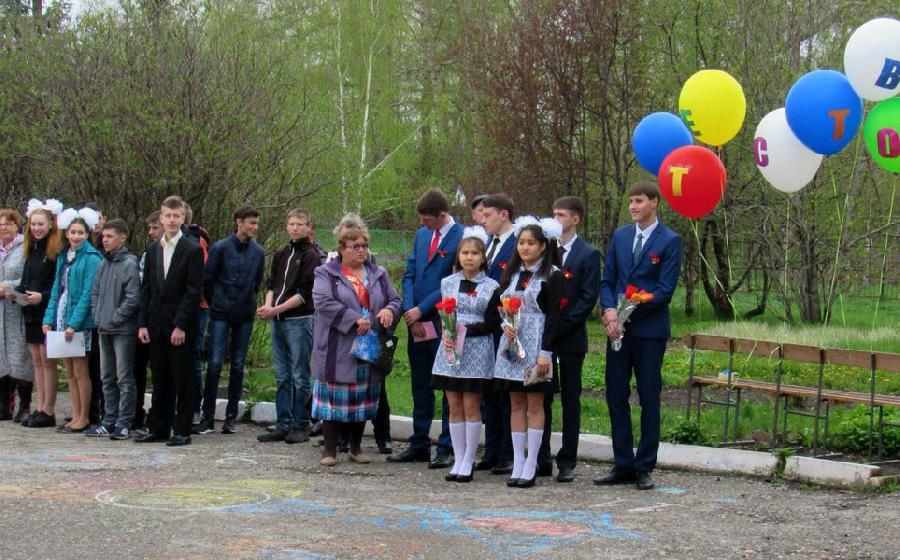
(90, 216)
(64, 218)
(476, 232)
(51, 205)
(523, 221)
(552, 228)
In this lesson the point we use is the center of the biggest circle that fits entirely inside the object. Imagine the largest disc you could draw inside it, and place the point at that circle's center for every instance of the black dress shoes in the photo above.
(178, 441)
(411, 456)
(644, 482)
(385, 446)
(441, 461)
(502, 467)
(485, 465)
(151, 437)
(511, 482)
(565, 474)
(450, 477)
(545, 470)
(526, 482)
(616, 477)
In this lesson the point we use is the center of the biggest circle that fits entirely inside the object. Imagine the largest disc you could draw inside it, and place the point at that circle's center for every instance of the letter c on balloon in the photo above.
(759, 151)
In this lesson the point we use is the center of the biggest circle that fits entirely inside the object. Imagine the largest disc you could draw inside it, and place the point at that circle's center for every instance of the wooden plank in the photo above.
(802, 353)
(887, 362)
(759, 348)
(852, 358)
(711, 342)
(831, 395)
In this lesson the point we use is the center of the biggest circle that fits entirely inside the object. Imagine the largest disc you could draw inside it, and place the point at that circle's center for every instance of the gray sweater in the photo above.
(116, 294)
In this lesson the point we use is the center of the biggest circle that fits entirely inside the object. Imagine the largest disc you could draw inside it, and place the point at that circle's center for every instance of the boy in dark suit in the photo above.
(581, 267)
(431, 259)
(170, 299)
(498, 213)
(647, 255)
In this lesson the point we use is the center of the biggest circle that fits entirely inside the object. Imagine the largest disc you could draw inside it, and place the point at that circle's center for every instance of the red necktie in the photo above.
(435, 241)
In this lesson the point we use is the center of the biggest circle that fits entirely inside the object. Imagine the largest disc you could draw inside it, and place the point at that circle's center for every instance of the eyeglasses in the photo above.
(7, 224)
(359, 247)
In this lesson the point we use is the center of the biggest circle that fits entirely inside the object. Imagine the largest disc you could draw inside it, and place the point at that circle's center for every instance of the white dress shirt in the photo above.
(168, 247)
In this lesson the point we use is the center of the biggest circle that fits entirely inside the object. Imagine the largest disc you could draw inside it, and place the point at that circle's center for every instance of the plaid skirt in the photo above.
(347, 402)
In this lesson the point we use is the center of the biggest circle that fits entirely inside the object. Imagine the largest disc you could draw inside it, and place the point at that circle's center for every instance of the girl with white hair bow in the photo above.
(69, 309)
(532, 276)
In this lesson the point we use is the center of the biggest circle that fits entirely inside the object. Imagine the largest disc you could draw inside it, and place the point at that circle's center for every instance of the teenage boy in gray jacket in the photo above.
(115, 300)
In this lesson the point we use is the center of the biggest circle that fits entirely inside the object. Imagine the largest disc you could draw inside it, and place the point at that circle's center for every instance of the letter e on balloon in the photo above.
(759, 151)
(888, 143)
(677, 173)
(686, 118)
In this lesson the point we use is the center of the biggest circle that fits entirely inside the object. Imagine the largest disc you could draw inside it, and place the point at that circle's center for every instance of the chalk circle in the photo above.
(532, 527)
(182, 499)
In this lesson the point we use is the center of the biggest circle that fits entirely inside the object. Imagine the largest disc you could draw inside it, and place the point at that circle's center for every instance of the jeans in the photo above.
(292, 341)
(202, 322)
(117, 373)
(218, 344)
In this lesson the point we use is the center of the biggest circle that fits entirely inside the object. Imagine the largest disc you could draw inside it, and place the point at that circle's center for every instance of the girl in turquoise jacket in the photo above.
(69, 310)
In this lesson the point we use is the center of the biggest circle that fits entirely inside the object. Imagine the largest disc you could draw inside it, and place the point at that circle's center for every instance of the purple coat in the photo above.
(335, 319)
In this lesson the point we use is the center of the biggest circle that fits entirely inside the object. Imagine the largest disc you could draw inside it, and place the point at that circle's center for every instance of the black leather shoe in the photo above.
(269, 437)
(565, 474)
(178, 441)
(450, 477)
(464, 477)
(545, 470)
(441, 461)
(484, 465)
(411, 456)
(616, 477)
(343, 446)
(385, 447)
(526, 482)
(501, 467)
(511, 482)
(315, 429)
(150, 437)
(644, 482)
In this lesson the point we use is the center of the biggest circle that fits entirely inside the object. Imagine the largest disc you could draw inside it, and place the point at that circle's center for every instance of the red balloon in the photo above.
(692, 180)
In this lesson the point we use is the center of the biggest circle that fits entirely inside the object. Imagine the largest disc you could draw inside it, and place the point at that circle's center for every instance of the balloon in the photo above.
(783, 160)
(712, 106)
(655, 136)
(872, 59)
(882, 134)
(824, 111)
(692, 180)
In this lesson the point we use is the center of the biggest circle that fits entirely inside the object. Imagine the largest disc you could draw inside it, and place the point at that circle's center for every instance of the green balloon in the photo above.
(882, 134)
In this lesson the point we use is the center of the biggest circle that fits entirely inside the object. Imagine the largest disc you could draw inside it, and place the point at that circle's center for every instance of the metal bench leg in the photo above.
(825, 436)
(777, 396)
(699, 400)
(728, 390)
(691, 378)
(784, 420)
(881, 432)
(871, 408)
(737, 414)
(815, 445)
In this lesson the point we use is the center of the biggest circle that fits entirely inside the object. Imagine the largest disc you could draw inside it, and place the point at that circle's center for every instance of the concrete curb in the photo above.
(671, 456)
(831, 473)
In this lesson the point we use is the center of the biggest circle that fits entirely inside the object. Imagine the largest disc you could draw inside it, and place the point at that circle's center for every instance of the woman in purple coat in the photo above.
(352, 296)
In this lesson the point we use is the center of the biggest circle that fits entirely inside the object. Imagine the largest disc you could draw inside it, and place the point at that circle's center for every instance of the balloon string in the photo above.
(727, 243)
(885, 252)
(787, 241)
(840, 215)
(708, 267)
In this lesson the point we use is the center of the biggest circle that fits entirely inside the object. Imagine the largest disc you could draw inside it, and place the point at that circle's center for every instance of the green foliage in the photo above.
(852, 432)
(686, 431)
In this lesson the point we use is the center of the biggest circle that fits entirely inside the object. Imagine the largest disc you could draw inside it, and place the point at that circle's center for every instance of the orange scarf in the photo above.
(362, 294)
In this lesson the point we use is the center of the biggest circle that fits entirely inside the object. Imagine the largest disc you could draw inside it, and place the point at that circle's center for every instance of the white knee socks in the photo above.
(518, 440)
(534, 446)
(473, 436)
(458, 438)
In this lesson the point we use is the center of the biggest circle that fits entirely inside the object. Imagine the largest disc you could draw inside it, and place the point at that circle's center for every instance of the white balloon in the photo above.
(782, 159)
(872, 59)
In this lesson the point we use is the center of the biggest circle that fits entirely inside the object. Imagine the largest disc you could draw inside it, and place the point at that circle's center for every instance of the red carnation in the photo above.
(563, 303)
(567, 273)
(473, 293)
(630, 291)
(654, 258)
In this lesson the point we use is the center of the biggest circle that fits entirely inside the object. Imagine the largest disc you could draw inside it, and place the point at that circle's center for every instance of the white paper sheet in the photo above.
(57, 347)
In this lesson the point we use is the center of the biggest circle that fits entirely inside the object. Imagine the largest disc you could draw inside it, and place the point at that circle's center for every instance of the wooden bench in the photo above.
(783, 393)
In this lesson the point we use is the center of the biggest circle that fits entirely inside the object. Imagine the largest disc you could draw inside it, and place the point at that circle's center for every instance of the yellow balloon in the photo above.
(712, 106)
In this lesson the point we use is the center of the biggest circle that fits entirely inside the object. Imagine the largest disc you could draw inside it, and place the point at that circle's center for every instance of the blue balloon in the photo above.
(656, 136)
(824, 111)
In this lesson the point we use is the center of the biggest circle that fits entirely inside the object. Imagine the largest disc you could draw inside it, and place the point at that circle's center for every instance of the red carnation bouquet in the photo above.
(509, 311)
(447, 310)
(628, 302)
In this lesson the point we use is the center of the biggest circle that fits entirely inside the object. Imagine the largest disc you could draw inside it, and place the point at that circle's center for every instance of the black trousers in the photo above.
(141, 361)
(96, 410)
(173, 381)
(381, 425)
(568, 375)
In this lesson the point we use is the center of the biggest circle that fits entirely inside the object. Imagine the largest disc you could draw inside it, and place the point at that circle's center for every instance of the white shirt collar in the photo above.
(568, 245)
(645, 232)
(504, 236)
(446, 228)
(171, 242)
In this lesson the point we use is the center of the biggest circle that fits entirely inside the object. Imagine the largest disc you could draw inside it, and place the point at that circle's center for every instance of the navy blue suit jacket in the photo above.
(582, 271)
(656, 270)
(504, 254)
(422, 280)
